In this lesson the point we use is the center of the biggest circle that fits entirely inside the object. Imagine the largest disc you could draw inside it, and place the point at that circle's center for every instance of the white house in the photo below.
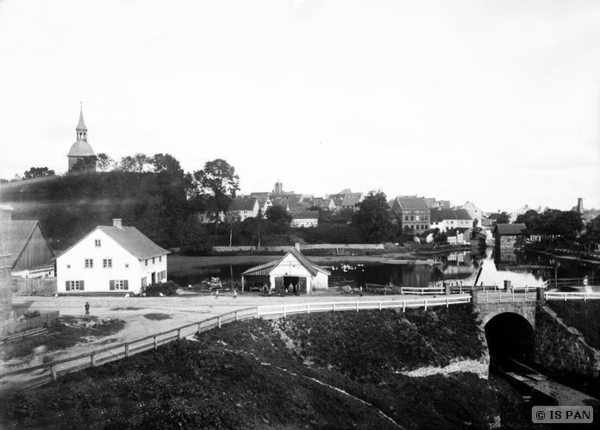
(244, 207)
(292, 270)
(304, 219)
(111, 258)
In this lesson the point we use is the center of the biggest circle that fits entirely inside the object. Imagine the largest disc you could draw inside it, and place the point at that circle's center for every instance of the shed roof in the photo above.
(265, 269)
(510, 229)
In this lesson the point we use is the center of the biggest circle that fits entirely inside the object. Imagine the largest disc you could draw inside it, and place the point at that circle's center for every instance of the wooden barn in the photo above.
(30, 253)
(509, 235)
(293, 273)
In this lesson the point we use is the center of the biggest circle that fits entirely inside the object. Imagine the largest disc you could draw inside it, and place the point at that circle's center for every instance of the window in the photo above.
(74, 285)
(107, 263)
(412, 217)
(416, 217)
(97, 243)
(120, 284)
(68, 266)
(127, 265)
(146, 262)
(89, 263)
(153, 260)
(159, 259)
(405, 217)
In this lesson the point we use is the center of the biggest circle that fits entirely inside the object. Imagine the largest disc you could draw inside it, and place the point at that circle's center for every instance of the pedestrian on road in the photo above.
(235, 293)
(87, 308)
(216, 293)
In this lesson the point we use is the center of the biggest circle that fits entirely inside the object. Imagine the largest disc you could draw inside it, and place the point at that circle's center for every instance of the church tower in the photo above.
(81, 151)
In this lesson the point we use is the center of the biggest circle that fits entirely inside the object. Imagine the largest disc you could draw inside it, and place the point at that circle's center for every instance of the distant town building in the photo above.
(412, 212)
(474, 211)
(111, 258)
(304, 219)
(81, 151)
(244, 207)
(509, 235)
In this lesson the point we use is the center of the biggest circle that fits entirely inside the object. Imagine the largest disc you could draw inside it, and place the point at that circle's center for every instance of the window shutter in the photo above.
(126, 284)
(68, 285)
(81, 285)
(112, 285)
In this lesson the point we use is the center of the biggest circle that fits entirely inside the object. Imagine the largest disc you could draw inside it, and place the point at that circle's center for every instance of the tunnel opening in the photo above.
(510, 336)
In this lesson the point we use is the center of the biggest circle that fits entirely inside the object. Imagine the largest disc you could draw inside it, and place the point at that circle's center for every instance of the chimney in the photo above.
(580, 205)
(297, 246)
(117, 222)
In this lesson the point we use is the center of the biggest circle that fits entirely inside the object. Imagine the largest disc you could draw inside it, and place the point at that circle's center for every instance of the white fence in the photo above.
(571, 296)
(31, 377)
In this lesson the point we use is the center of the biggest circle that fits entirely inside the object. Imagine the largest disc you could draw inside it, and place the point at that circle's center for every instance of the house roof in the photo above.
(262, 197)
(305, 215)
(15, 235)
(447, 214)
(265, 269)
(243, 204)
(436, 216)
(412, 203)
(463, 214)
(510, 229)
(81, 149)
(133, 241)
(351, 199)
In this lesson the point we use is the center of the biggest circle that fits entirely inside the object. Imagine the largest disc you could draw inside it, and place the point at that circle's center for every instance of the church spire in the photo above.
(81, 128)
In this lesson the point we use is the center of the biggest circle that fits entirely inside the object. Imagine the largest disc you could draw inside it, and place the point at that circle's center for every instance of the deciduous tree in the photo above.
(372, 219)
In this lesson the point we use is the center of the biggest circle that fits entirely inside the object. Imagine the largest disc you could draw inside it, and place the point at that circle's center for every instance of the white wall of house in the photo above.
(98, 263)
(464, 223)
(304, 222)
(292, 267)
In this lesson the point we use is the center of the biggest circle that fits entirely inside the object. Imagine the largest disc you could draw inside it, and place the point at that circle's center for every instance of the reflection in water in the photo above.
(529, 269)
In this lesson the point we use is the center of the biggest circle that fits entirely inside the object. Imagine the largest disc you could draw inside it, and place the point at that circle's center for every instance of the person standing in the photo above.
(87, 308)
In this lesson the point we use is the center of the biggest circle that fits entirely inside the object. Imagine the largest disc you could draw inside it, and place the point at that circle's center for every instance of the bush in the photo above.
(166, 289)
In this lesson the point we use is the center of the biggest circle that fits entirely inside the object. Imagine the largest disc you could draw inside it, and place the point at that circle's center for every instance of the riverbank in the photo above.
(557, 254)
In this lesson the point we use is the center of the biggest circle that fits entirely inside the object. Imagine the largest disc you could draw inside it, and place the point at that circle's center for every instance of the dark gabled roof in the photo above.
(436, 216)
(243, 204)
(509, 229)
(463, 214)
(15, 235)
(262, 197)
(305, 215)
(265, 269)
(447, 214)
(133, 241)
(412, 203)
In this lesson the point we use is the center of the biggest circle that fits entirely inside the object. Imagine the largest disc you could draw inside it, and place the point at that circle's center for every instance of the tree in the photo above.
(530, 219)
(372, 219)
(591, 237)
(38, 172)
(218, 184)
(278, 220)
(138, 163)
(500, 218)
(105, 163)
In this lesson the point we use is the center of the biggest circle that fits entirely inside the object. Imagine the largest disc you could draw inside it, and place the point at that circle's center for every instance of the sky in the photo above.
(493, 102)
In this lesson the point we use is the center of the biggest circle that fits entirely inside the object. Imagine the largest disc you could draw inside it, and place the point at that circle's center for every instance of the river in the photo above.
(525, 268)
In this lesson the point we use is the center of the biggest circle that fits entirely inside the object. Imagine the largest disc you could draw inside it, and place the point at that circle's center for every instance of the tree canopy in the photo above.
(372, 220)
(217, 184)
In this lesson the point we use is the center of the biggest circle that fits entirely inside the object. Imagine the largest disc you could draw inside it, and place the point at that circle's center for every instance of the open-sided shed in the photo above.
(293, 272)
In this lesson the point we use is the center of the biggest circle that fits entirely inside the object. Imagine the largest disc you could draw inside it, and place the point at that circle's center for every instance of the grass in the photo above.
(582, 315)
(68, 332)
(256, 374)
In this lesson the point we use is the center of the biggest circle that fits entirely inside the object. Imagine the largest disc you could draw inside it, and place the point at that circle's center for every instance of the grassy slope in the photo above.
(256, 375)
(581, 315)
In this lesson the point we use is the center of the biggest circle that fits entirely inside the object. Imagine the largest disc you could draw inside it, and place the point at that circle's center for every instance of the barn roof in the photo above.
(15, 235)
(510, 229)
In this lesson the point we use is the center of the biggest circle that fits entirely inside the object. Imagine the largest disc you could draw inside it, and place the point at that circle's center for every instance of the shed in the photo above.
(293, 269)
(509, 235)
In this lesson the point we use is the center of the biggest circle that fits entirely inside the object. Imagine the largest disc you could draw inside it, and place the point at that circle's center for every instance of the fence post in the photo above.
(513, 295)
(486, 296)
(525, 294)
(308, 308)
(334, 307)
(257, 312)
(565, 295)
(53, 372)
(219, 322)
(356, 306)
(93, 359)
(284, 311)
(425, 304)
(447, 303)
(379, 305)
(198, 327)
(236, 315)
(155, 343)
(127, 351)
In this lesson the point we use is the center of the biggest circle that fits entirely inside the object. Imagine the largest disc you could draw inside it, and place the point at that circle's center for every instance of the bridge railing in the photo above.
(555, 295)
(570, 282)
(44, 373)
(502, 296)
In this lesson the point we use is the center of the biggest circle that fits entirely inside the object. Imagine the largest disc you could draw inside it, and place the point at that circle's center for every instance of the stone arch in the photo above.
(509, 334)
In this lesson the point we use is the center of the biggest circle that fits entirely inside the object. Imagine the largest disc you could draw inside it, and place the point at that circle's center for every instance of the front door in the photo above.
(153, 278)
